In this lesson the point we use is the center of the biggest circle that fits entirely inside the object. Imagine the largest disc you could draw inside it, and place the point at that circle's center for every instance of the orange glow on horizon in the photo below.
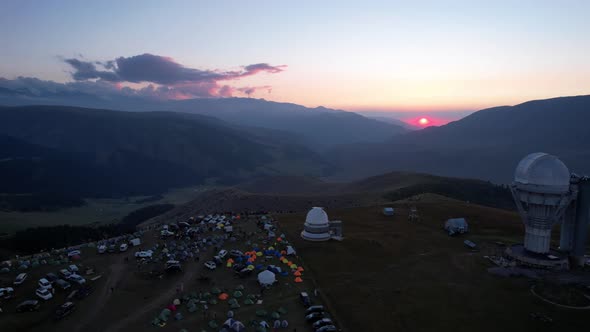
(423, 121)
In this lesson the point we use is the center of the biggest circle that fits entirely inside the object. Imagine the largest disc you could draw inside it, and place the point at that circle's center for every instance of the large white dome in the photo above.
(544, 172)
(317, 216)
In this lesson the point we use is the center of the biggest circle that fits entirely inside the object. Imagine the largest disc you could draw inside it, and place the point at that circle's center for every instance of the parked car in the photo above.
(64, 310)
(210, 265)
(236, 253)
(65, 273)
(244, 272)
(305, 299)
(73, 268)
(314, 317)
(74, 253)
(327, 328)
(28, 305)
(77, 279)
(83, 291)
(144, 254)
(20, 279)
(62, 284)
(123, 247)
(222, 253)
(6, 293)
(112, 248)
(101, 249)
(51, 277)
(314, 308)
(322, 322)
(44, 283)
(44, 293)
(173, 266)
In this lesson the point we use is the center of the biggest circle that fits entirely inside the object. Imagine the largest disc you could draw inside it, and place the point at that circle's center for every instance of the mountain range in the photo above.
(98, 152)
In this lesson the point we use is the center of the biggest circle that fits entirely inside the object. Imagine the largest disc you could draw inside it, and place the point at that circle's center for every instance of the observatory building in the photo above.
(546, 193)
(318, 227)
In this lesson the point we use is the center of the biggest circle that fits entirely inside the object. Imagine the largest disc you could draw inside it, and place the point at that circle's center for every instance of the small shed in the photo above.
(456, 226)
(388, 211)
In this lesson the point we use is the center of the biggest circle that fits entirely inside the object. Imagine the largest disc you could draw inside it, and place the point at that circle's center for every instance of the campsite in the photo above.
(139, 294)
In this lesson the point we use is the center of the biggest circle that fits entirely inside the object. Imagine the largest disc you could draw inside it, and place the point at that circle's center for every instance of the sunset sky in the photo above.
(363, 56)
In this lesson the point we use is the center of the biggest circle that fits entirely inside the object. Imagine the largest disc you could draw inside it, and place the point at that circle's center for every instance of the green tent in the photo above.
(232, 301)
(216, 291)
(212, 301)
(248, 302)
(238, 294)
(282, 311)
(240, 287)
(234, 306)
(275, 315)
(261, 313)
(213, 324)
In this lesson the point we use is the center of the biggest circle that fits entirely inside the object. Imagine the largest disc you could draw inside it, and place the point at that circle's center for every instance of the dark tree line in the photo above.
(32, 240)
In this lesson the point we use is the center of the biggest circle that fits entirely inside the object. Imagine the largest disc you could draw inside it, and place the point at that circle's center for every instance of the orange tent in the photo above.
(223, 296)
(297, 274)
(279, 239)
(300, 269)
(298, 279)
(231, 260)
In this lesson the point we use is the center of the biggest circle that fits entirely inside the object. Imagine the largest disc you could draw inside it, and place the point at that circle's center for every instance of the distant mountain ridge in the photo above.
(320, 127)
(485, 145)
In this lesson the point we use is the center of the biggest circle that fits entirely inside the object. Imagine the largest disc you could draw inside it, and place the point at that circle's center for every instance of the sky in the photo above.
(412, 58)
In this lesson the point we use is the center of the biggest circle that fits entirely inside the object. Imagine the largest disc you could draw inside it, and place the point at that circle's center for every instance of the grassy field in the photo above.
(96, 211)
(392, 275)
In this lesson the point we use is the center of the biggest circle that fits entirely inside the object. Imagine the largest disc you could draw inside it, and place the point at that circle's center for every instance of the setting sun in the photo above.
(423, 121)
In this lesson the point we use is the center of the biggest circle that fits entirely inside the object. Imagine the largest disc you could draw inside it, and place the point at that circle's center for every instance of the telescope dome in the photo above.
(543, 172)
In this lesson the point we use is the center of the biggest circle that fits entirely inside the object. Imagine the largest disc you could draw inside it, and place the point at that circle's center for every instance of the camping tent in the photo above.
(456, 226)
(266, 278)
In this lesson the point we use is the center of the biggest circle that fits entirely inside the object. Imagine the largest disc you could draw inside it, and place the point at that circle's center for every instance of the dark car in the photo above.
(236, 253)
(173, 266)
(29, 305)
(322, 322)
(314, 308)
(62, 284)
(51, 277)
(305, 299)
(64, 310)
(314, 317)
(327, 328)
(244, 272)
(83, 292)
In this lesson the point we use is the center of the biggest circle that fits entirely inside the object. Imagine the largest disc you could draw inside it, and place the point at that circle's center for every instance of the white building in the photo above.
(317, 225)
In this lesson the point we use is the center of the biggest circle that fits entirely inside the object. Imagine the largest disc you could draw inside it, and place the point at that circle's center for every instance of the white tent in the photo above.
(291, 251)
(266, 277)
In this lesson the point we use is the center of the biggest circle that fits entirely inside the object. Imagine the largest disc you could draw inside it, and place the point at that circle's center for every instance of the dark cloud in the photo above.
(158, 69)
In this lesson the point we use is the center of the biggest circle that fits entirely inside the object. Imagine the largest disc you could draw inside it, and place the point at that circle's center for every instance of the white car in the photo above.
(123, 247)
(77, 279)
(74, 253)
(101, 249)
(144, 254)
(44, 283)
(210, 265)
(43, 293)
(222, 253)
(20, 279)
(73, 268)
(65, 273)
(6, 293)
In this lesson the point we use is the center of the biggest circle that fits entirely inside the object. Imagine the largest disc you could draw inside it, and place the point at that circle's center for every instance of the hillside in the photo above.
(167, 148)
(486, 145)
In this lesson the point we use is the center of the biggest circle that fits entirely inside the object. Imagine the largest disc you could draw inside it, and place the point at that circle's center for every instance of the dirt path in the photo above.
(153, 305)
(111, 281)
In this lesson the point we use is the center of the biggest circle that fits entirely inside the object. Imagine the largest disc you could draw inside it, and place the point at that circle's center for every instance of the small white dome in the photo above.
(317, 216)
(543, 170)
